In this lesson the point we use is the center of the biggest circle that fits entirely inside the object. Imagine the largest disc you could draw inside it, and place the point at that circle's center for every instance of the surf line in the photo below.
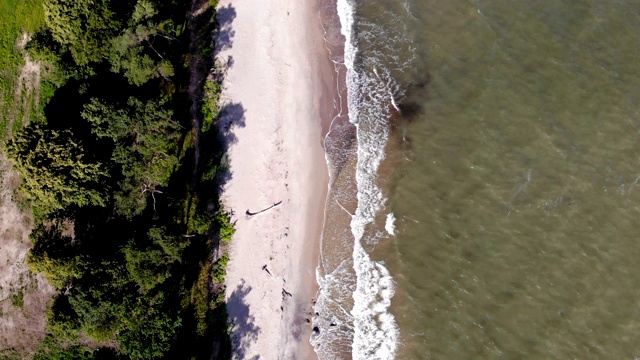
(249, 213)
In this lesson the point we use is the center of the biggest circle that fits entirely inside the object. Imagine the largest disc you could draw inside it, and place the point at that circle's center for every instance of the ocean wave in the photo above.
(354, 299)
(389, 224)
(368, 97)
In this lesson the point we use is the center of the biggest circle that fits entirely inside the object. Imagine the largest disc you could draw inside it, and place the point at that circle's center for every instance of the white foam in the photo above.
(336, 289)
(393, 102)
(376, 333)
(354, 298)
(389, 225)
(375, 330)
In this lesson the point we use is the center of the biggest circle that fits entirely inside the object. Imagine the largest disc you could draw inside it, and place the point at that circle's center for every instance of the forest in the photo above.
(120, 163)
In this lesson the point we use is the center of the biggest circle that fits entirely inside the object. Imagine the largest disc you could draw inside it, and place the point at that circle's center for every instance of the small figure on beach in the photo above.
(264, 267)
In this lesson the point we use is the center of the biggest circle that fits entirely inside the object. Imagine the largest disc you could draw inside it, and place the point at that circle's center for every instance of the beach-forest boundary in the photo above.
(109, 113)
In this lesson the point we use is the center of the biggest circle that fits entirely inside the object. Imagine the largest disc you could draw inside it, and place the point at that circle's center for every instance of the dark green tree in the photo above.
(152, 265)
(148, 267)
(98, 299)
(145, 147)
(85, 27)
(172, 246)
(149, 328)
(55, 254)
(128, 52)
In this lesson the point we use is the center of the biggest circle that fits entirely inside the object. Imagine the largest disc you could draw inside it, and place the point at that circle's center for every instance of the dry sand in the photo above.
(21, 327)
(277, 96)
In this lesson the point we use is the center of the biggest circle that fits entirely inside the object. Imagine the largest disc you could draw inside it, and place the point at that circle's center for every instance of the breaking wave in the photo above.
(355, 296)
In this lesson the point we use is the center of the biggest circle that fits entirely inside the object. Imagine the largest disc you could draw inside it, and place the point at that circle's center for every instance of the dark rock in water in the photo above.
(410, 110)
(410, 106)
(316, 330)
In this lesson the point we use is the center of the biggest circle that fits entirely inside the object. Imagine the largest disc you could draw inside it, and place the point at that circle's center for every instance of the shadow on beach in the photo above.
(225, 34)
(244, 331)
(217, 140)
(231, 116)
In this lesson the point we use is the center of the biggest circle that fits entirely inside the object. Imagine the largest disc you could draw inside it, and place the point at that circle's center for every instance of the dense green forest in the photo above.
(121, 176)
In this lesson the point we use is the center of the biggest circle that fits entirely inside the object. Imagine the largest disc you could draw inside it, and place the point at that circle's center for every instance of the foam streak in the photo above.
(375, 330)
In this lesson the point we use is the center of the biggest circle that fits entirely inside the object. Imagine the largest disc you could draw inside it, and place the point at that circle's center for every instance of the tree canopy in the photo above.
(151, 264)
(144, 137)
(56, 171)
(125, 223)
(83, 26)
(129, 50)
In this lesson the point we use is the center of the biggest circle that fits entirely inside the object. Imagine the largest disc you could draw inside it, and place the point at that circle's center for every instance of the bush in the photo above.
(52, 349)
(210, 106)
(219, 270)
(17, 299)
(226, 229)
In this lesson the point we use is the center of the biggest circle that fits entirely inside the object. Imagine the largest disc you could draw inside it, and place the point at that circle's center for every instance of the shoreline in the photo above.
(277, 102)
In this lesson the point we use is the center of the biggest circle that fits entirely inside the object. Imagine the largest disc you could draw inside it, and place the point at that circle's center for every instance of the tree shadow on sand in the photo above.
(225, 33)
(243, 330)
(231, 116)
(216, 142)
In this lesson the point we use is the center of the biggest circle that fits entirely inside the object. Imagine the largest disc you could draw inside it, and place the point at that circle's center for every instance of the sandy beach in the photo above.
(277, 96)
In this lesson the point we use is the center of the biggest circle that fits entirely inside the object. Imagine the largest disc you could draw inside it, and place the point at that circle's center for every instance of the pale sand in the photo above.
(21, 328)
(277, 91)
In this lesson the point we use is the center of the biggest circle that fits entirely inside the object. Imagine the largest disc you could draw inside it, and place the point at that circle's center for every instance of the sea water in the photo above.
(485, 164)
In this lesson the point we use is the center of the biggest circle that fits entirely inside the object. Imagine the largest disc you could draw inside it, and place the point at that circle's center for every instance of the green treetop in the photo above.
(128, 50)
(144, 135)
(55, 172)
(83, 26)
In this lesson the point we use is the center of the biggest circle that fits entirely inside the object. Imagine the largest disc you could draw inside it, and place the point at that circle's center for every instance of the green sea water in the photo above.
(514, 177)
